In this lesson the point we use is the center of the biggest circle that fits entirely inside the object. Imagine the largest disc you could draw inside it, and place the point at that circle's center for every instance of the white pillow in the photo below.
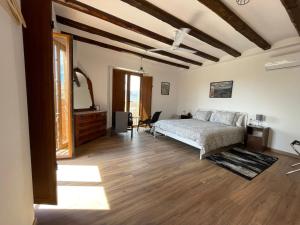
(226, 118)
(202, 115)
(240, 121)
(237, 116)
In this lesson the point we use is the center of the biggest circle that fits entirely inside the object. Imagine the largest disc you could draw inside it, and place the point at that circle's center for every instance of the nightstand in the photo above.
(257, 138)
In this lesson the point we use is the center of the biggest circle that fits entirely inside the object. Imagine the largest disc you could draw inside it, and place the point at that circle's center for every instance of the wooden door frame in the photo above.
(69, 57)
(38, 56)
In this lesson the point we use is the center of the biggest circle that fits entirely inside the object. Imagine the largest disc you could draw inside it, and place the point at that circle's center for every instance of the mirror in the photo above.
(82, 92)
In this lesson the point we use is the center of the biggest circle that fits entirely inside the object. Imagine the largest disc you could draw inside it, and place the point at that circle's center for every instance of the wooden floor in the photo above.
(151, 181)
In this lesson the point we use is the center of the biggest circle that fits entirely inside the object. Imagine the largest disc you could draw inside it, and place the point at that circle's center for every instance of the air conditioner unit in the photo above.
(283, 61)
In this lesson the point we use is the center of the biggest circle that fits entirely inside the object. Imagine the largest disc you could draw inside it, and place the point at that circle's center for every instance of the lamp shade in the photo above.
(260, 117)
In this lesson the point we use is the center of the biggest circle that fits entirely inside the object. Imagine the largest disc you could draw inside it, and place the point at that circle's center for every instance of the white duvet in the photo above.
(208, 135)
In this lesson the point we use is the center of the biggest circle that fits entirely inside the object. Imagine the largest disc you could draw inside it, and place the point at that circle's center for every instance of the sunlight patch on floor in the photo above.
(78, 173)
(79, 197)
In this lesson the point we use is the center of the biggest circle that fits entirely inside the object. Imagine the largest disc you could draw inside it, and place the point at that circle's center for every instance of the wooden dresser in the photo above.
(89, 125)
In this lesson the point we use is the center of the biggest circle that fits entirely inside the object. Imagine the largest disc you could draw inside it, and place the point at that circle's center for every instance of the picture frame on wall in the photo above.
(165, 88)
(221, 89)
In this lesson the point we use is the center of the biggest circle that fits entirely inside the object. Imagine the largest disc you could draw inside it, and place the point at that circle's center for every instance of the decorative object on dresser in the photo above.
(221, 89)
(257, 138)
(89, 125)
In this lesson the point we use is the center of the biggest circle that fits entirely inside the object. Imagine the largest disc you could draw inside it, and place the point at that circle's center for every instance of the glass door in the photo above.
(133, 96)
(62, 96)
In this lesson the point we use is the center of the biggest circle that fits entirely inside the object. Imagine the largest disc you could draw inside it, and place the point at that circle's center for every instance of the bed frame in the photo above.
(203, 153)
(181, 139)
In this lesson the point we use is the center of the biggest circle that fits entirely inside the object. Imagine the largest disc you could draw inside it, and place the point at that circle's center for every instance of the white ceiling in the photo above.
(267, 17)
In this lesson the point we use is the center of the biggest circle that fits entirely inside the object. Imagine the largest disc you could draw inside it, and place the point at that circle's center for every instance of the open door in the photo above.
(62, 72)
(37, 38)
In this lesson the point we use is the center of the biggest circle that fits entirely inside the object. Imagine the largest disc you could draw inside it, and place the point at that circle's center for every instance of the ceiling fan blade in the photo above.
(185, 50)
(179, 36)
(158, 49)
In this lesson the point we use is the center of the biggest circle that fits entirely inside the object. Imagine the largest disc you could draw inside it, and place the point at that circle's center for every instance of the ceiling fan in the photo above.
(179, 37)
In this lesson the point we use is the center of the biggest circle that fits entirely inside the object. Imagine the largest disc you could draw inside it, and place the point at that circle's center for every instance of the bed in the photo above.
(205, 134)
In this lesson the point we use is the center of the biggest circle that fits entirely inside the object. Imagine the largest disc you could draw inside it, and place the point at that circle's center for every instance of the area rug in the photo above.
(242, 162)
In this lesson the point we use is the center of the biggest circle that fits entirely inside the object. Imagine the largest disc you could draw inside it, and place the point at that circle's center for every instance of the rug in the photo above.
(242, 162)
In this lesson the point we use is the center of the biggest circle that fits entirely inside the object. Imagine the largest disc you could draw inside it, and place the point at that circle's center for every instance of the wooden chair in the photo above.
(149, 122)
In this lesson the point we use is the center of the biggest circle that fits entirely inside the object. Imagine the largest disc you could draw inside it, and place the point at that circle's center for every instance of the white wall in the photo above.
(98, 62)
(275, 94)
(16, 206)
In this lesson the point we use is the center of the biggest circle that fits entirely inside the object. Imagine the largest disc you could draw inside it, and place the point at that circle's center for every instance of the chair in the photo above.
(122, 122)
(296, 164)
(149, 122)
(130, 123)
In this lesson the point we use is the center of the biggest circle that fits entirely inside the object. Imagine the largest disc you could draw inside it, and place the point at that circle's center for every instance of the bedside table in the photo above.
(257, 138)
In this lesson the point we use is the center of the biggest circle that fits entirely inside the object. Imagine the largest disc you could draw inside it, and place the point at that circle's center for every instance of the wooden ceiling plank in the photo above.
(236, 22)
(166, 17)
(293, 9)
(96, 31)
(118, 49)
(84, 8)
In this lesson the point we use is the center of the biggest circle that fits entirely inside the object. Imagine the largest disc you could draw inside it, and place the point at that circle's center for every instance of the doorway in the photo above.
(132, 92)
(62, 95)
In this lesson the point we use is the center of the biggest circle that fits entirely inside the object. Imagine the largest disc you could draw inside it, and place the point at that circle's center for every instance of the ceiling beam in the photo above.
(84, 8)
(236, 22)
(166, 17)
(118, 49)
(293, 9)
(102, 33)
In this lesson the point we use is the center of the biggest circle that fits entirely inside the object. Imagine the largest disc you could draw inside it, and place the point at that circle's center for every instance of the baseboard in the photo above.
(283, 153)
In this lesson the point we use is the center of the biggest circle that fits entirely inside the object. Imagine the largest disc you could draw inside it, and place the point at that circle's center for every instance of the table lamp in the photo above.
(260, 118)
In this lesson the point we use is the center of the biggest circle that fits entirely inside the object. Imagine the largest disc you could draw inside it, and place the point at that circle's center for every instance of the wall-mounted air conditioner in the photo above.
(283, 61)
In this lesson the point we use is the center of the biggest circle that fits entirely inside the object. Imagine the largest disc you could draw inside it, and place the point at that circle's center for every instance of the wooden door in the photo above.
(118, 93)
(62, 71)
(146, 97)
(37, 38)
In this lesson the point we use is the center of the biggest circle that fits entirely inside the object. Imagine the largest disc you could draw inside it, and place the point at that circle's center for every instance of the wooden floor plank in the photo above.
(151, 181)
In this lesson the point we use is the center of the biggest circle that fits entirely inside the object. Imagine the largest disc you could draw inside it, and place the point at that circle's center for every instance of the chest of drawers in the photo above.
(89, 126)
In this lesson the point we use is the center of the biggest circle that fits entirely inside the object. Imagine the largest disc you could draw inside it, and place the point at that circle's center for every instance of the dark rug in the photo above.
(242, 162)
